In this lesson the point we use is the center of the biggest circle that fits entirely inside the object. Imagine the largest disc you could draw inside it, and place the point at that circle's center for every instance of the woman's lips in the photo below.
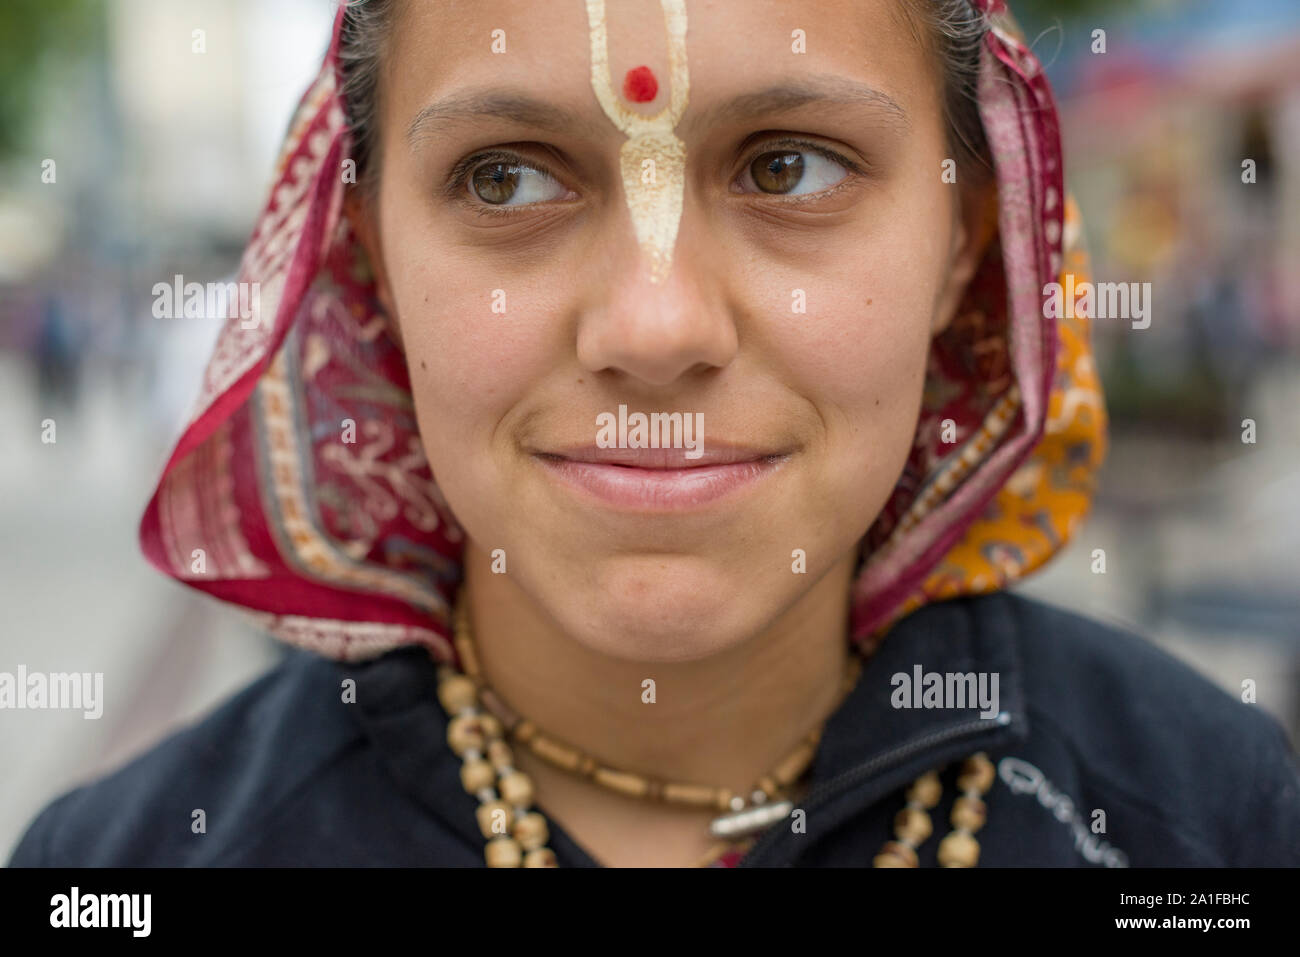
(660, 479)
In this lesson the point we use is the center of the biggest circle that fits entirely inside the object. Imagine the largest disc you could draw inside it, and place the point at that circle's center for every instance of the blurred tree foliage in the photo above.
(36, 37)
(1065, 9)
(1039, 16)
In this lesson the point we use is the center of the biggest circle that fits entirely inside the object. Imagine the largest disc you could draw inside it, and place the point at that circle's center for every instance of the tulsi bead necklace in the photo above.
(912, 824)
(517, 833)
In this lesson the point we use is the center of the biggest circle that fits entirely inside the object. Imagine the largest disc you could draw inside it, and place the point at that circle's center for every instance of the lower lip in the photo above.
(659, 489)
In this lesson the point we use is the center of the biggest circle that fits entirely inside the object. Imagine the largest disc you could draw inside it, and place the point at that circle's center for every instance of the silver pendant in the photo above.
(750, 819)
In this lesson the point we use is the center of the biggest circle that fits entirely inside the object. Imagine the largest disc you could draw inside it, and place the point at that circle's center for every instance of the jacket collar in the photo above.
(868, 749)
(940, 638)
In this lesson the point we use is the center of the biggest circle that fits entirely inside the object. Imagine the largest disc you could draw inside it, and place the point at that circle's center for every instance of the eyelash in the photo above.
(461, 172)
(787, 142)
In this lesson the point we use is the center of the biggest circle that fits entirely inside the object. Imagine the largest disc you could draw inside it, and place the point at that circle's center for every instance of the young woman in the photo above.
(646, 409)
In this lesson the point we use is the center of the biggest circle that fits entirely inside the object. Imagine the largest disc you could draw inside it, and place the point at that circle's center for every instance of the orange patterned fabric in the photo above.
(1012, 426)
(1041, 505)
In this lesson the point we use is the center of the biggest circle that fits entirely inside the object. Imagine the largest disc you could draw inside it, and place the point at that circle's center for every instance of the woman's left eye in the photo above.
(499, 183)
(792, 172)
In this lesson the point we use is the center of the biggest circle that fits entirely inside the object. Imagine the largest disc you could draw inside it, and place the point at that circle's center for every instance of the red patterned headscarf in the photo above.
(349, 549)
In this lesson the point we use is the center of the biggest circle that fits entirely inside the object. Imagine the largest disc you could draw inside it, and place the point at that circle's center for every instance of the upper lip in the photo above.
(714, 453)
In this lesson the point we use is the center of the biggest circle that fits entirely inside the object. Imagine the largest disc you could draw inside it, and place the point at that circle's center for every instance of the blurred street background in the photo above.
(161, 158)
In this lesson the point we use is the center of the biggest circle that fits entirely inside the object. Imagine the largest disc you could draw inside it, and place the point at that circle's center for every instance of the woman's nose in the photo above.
(657, 331)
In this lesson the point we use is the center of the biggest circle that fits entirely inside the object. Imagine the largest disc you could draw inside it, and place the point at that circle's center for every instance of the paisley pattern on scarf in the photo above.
(300, 492)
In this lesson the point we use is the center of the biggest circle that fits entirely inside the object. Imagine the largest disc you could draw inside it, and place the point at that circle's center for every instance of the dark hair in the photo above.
(953, 31)
(363, 44)
(950, 30)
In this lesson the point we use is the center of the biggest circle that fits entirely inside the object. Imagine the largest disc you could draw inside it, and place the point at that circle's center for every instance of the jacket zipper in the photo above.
(841, 782)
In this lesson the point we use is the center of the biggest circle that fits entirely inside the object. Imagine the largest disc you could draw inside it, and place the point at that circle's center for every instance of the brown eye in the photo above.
(495, 183)
(794, 169)
(777, 172)
(509, 182)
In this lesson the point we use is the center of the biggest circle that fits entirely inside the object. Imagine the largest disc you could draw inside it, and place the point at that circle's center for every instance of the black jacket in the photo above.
(1090, 720)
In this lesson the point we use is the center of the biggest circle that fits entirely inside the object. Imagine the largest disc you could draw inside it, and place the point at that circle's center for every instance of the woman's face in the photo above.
(817, 252)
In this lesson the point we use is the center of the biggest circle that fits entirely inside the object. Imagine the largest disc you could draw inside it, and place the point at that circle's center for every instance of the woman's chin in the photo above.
(634, 641)
(663, 626)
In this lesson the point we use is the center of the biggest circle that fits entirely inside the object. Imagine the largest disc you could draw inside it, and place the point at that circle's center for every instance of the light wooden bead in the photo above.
(959, 849)
(485, 813)
(624, 782)
(789, 770)
(542, 857)
(517, 789)
(468, 657)
(492, 729)
(503, 852)
(552, 752)
(912, 825)
(895, 854)
(968, 813)
(926, 791)
(695, 795)
(476, 775)
(466, 732)
(456, 693)
(531, 831)
(499, 753)
(977, 774)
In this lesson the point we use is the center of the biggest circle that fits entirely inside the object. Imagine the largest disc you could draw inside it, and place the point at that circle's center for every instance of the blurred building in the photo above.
(161, 155)
(1199, 526)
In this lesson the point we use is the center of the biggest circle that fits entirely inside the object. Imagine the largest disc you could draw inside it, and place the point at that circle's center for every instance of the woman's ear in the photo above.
(976, 223)
(360, 207)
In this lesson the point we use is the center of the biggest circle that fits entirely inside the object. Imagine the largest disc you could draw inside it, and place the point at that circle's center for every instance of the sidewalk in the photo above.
(79, 597)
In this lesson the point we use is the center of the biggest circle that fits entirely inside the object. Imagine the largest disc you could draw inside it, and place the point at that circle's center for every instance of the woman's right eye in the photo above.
(500, 183)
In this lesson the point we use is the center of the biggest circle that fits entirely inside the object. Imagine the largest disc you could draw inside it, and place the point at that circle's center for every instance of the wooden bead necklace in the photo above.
(516, 833)
(912, 824)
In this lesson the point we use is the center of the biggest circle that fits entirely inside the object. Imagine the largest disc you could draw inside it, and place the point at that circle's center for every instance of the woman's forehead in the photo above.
(450, 58)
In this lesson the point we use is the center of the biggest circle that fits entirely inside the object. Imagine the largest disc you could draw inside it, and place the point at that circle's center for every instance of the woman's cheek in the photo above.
(459, 365)
(861, 361)
(474, 335)
(860, 350)
(455, 429)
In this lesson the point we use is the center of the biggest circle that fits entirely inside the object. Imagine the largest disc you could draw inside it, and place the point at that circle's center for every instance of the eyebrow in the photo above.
(515, 106)
(805, 91)
(525, 109)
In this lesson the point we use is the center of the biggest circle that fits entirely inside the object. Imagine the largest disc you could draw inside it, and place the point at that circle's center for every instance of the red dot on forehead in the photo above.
(640, 85)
